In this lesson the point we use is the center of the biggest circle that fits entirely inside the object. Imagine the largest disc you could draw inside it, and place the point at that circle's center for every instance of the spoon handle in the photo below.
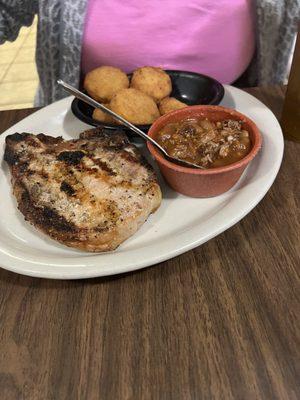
(87, 99)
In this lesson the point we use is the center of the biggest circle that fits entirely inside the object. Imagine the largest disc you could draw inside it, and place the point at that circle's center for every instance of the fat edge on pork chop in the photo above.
(91, 193)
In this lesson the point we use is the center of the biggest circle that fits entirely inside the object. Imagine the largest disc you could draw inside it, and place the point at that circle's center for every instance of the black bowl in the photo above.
(188, 87)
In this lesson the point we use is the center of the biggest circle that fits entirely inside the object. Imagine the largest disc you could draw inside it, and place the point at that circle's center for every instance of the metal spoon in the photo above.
(87, 99)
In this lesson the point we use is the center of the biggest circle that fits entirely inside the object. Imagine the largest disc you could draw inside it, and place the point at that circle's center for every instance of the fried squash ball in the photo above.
(135, 106)
(170, 104)
(153, 81)
(104, 82)
(101, 116)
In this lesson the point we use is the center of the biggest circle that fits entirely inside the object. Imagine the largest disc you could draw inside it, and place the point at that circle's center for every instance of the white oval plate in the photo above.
(180, 224)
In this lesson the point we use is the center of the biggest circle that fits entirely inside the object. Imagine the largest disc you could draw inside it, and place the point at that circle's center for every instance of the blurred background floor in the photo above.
(18, 75)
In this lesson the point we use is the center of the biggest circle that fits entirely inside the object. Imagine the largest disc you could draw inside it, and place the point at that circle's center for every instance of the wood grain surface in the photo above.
(219, 322)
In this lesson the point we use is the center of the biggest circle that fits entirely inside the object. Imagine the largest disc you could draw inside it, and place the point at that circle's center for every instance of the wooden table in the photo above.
(219, 322)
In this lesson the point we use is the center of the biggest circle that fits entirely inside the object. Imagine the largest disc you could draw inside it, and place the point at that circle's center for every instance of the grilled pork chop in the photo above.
(91, 193)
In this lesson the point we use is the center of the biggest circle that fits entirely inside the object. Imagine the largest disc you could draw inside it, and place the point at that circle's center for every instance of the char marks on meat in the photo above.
(91, 193)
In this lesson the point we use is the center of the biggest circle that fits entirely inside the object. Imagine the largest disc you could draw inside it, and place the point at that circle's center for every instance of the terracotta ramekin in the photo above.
(211, 182)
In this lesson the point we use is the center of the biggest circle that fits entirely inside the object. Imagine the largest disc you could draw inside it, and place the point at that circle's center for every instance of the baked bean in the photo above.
(206, 143)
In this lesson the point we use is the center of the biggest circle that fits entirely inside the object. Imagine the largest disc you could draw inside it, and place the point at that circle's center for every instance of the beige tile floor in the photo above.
(18, 75)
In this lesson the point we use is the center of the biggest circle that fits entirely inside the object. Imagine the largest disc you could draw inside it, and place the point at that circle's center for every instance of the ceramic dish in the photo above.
(180, 224)
(209, 182)
(189, 87)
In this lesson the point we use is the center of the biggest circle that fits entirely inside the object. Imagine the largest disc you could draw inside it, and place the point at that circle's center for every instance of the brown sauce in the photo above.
(206, 143)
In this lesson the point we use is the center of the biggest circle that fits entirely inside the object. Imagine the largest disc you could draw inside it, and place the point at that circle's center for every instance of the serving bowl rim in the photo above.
(190, 110)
